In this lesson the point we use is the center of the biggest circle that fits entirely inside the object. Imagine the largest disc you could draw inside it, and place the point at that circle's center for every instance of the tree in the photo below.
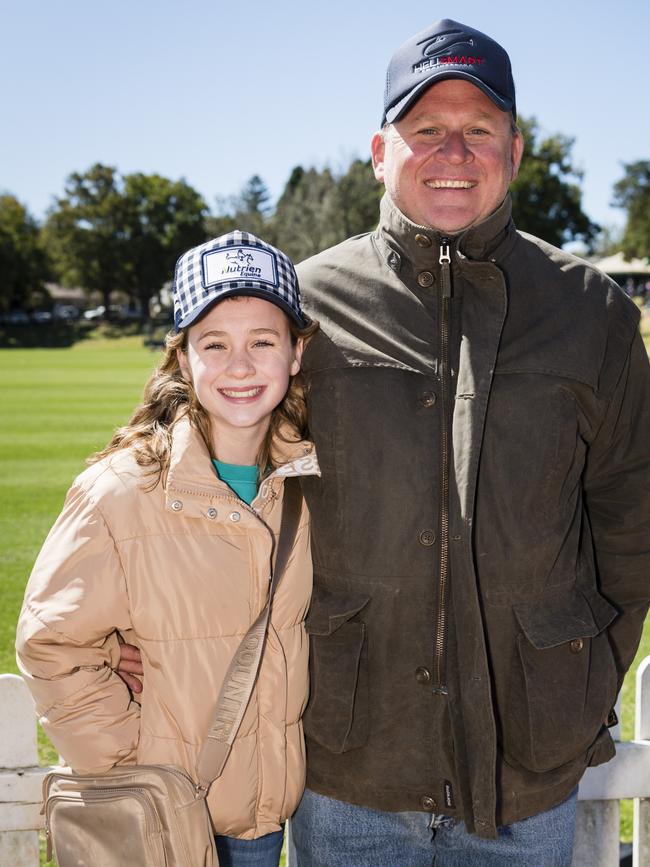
(111, 233)
(254, 198)
(23, 262)
(249, 211)
(317, 209)
(163, 218)
(632, 193)
(359, 197)
(608, 242)
(546, 196)
(307, 218)
(85, 232)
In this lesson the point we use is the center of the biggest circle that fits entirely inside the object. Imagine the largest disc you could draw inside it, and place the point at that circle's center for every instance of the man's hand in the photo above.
(130, 665)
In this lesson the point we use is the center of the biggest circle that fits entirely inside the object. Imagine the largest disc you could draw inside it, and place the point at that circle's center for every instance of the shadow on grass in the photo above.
(46, 335)
(59, 335)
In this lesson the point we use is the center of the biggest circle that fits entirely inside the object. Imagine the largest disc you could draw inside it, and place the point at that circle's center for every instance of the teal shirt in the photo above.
(242, 480)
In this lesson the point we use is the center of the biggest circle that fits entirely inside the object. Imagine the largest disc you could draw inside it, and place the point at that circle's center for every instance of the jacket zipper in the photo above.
(444, 260)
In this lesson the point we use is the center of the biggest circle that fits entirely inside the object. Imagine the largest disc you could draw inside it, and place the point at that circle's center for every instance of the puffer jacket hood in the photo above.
(181, 570)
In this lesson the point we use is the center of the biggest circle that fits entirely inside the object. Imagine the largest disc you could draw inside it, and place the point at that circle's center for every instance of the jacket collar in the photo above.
(402, 238)
(190, 465)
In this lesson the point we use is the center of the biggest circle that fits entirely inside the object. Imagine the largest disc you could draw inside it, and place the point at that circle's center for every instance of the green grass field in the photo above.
(59, 405)
(56, 407)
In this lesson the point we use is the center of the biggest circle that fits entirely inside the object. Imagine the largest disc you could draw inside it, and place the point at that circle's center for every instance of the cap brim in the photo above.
(395, 112)
(196, 314)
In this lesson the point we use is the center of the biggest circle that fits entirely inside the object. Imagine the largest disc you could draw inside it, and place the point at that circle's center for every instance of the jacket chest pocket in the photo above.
(534, 447)
(376, 430)
(337, 712)
(567, 680)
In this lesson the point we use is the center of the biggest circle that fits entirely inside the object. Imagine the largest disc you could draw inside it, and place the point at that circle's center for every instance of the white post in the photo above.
(20, 780)
(597, 834)
(641, 838)
(596, 841)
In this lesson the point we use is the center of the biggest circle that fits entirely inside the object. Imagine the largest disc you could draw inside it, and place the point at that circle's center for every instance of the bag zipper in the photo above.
(79, 778)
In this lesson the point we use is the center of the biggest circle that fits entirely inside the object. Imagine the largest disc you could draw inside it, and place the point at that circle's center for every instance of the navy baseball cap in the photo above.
(447, 49)
(234, 264)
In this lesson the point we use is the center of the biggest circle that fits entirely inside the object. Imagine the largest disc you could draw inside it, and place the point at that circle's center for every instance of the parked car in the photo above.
(95, 313)
(129, 314)
(17, 317)
(68, 312)
(42, 316)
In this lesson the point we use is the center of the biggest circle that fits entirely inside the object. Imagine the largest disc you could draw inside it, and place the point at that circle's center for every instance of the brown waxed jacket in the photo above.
(182, 571)
(481, 529)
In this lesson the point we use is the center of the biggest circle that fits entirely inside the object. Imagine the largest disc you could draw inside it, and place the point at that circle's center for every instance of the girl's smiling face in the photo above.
(240, 357)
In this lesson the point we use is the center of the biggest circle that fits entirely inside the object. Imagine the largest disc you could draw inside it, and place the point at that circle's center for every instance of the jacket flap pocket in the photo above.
(329, 611)
(549, 621)
(355, 346)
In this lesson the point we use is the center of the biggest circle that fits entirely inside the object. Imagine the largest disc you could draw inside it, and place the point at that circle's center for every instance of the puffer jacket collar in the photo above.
(400, 238)
(188, 483)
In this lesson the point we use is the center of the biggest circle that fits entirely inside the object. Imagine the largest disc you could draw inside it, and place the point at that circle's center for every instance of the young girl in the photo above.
(166, 541)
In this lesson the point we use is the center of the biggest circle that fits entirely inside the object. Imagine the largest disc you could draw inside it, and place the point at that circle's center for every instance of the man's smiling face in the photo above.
(448, 162)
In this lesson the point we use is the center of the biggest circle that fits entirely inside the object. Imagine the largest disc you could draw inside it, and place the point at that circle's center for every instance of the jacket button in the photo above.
(212, 513)
(427, 538)
(428, 398)
(234, 517)
(428, 803)
(576, 645)
(177, 505)
(394, 261)
(422, 675)
(425, 279)
(422, 240)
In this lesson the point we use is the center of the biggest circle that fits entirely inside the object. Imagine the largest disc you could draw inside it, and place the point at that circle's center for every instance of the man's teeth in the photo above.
(450, 185)
(249, 392)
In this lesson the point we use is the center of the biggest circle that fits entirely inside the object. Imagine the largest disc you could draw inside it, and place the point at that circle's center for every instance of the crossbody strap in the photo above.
(239, 681)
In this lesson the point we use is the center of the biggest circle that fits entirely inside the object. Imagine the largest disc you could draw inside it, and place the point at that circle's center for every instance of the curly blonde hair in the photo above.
(168, 396)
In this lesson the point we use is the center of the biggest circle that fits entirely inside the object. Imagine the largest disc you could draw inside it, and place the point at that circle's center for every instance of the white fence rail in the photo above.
(597, 835)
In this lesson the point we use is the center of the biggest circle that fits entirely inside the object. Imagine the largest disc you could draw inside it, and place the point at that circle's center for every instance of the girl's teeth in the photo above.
(251, 392)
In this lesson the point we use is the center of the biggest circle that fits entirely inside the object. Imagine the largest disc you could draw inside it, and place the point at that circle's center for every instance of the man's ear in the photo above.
(378, 149)
(516, 153)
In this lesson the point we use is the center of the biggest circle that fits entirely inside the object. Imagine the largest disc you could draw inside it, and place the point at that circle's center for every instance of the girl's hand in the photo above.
(130, 665)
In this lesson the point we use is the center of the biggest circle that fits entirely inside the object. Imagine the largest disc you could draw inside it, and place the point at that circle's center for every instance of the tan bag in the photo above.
(144, 815)
(156, 815)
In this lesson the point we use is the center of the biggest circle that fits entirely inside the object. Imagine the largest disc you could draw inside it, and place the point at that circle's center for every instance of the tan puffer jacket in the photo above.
(181, 570)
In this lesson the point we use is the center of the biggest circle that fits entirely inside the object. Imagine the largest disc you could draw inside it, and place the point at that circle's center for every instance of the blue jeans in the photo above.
(329, 833)
(262, 852)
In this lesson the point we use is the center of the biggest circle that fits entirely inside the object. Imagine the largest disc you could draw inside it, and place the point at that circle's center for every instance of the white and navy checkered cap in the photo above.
(234, 264)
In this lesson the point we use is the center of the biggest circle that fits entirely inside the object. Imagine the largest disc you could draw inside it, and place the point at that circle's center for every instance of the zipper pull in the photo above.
(445, 271)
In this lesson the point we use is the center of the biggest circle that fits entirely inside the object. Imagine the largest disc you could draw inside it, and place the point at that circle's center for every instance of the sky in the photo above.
(214, 92)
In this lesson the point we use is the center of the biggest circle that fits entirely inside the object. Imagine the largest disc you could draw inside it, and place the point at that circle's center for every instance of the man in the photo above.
(480, 403)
